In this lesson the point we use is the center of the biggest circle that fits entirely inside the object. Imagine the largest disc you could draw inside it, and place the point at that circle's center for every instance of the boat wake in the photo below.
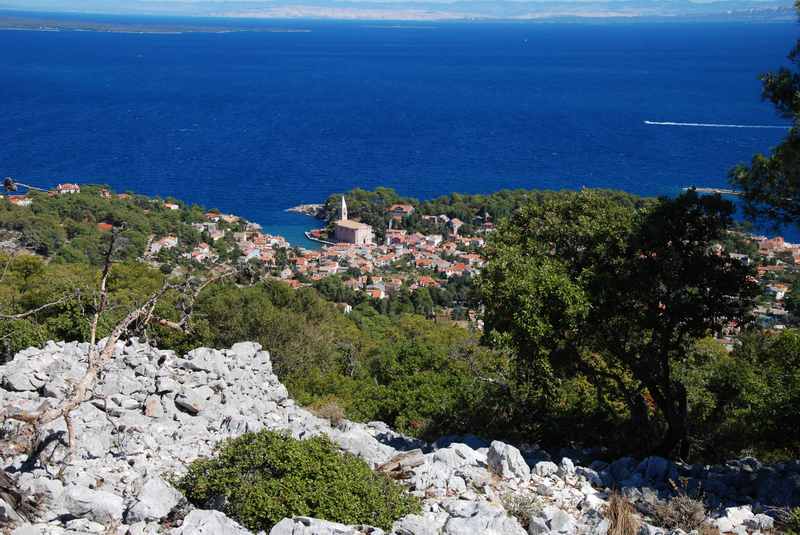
(714, 125)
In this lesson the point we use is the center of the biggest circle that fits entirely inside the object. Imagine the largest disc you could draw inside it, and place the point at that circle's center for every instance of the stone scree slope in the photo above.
(153, 412)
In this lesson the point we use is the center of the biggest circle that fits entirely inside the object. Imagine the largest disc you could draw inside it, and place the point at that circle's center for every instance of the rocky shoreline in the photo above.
(153, 412)
(312, 210)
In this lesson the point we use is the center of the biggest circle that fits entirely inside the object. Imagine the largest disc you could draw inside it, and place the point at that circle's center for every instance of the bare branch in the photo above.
(23, 315)
(103, 289)
(186, 305)
(171, 324)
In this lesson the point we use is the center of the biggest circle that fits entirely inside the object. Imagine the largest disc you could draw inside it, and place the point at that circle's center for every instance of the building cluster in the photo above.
(778, 265)
(60, 189)
(253, 243)
(411, 260)
(427, 259)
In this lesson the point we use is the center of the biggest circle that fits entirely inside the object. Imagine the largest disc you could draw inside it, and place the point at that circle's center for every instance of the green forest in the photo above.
(599, 311)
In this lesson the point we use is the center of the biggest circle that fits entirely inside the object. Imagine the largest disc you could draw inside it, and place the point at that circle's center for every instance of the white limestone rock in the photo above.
(468, 518)
(428, 523)
(200, 522)
(507, 461)
(155, 500)
(98, 505)
(567, 467)
(301, 525)
(545, 468)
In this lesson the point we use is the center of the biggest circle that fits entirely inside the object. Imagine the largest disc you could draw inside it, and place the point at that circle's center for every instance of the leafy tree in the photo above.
(741, 401)
(423, 303)
(606, 286)
(771, 183)
(792, 300)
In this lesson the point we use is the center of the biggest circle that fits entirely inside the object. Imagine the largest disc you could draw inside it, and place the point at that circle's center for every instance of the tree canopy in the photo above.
(613, 288)
(771, 183)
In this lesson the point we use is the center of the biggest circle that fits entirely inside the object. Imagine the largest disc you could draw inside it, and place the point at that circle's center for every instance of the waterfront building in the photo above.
(68, 189)
(19, 200)
(354, 232)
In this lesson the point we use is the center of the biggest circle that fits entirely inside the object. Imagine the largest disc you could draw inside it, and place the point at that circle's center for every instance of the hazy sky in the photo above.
(414, 9)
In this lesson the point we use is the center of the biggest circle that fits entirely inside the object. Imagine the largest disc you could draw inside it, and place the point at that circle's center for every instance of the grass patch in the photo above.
(621, 514)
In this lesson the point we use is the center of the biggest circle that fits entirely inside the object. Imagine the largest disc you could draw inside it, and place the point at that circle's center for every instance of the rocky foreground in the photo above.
(153, 412)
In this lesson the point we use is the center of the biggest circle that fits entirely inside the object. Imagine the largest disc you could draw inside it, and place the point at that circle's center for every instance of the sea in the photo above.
(255, 122)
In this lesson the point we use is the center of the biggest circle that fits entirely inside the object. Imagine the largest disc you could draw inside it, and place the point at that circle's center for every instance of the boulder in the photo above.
(424, 524)
(468, 518)
(561, 522)
(760, 522)
(21, 380)
(153, 407)
(40, 529)
(657, 469)
(545, 468)
(100, 506)
(590, 475)
(243, 353)
(82, 525)
(205, 360)
(507, 461)
(200, 522)
(567, 467)
(189, 402)
(355, 439)
(156, 500)
(622, 469)
(165, 384)
(739, 515)
(472, 441)
(301, 525)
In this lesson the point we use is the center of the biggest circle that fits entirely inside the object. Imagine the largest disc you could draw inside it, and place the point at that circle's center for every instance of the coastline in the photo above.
(309, 237)
(312, 210)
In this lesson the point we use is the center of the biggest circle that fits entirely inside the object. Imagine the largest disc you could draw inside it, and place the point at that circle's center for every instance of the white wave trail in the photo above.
(713, 125)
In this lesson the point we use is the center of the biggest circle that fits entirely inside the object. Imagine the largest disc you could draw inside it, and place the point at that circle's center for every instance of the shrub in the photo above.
(266, 476)
(330, 410)
(681, 512)
(789, 520)
(621, 515)
(522, 507)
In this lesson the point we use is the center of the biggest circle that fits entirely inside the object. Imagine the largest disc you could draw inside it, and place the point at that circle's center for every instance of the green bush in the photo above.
(789, 521)
(267, 476)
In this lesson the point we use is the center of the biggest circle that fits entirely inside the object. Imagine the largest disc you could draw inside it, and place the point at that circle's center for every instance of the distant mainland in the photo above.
(430, 10)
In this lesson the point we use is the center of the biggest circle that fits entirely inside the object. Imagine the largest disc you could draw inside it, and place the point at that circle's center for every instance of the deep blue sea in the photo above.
(253, 123)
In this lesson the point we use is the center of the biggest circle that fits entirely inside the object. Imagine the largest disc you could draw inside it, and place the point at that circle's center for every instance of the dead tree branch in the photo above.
(186, 304)
(36, 310)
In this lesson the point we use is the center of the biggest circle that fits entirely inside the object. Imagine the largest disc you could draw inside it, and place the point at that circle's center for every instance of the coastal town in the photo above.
(410, 260)
(404, 261)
